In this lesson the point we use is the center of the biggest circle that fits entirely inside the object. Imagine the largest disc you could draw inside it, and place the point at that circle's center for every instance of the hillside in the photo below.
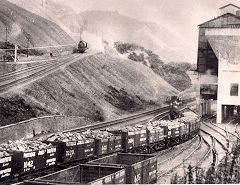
(46, 9)
(99, 87)
(174, 73)
(22, 24)
(113, 27)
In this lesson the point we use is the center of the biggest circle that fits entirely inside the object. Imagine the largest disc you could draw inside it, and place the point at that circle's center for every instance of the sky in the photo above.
(180, 16)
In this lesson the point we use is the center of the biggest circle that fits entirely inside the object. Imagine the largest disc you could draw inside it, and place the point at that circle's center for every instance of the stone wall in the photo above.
(27, 129)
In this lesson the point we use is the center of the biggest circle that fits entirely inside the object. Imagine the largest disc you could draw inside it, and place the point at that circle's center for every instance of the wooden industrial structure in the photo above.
(218, 63)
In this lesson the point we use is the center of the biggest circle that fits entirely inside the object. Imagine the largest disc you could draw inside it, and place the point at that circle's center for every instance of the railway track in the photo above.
(35, 73)
(19, 72)
(218, 134)
(232, 134)
(161, 113)
(174, 151)
(210, 156)
(212, 150)
(59, 167)
(203, 155)
(203, 149)
(173, 165)
(199, 156)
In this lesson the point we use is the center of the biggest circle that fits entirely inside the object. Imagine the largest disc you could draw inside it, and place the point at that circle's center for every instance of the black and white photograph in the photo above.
(119, 92)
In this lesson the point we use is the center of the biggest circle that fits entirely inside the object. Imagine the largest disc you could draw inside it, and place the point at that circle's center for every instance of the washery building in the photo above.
(218, 64)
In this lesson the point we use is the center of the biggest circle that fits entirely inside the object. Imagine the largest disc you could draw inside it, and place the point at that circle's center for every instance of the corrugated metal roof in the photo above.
(230, 4)
(227, 14)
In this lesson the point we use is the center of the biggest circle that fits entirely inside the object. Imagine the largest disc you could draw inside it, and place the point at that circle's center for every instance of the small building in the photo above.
(218, 64)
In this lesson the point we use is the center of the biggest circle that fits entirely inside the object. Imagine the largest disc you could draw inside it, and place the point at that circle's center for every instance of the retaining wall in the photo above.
(27, 129)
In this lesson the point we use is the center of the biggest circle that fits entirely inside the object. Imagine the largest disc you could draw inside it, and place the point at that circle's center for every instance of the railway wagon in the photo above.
(68, 151)
(89, 144)
(27, 161)
(156, 138)
(144, 139)
(140, 168)
(132, 137)
(23, 157)
(83, 174)
(5, 165)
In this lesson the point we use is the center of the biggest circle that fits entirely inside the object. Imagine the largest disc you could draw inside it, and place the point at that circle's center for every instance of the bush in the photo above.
(174, 73)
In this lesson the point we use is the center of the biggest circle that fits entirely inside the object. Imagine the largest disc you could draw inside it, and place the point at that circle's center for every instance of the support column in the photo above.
(219, 112)
(209, 110)
(204, 108)
(200, 109)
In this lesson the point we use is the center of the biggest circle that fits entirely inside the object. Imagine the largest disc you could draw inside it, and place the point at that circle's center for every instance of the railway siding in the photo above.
(38, 73)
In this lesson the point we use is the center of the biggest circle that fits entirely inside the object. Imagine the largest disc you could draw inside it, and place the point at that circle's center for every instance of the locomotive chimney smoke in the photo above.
(94, 41)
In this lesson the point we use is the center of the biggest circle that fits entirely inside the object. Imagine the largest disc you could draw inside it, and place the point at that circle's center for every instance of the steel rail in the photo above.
(34, 76)
(179, 164)
(33, 70)
(215, 139)
(26, 69)
(106, 124)
(187, 157)
(205, 155)
(227, 139)
(227, 132)
(178, 153)
(96, 126)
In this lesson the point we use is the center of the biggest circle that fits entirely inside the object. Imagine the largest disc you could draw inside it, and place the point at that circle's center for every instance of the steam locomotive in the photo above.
(82, 47)
(175, 103)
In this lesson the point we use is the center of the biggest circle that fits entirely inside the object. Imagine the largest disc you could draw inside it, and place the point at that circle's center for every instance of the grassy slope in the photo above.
(99, 87)
(174, 73)
(20, 22)
(51, 10)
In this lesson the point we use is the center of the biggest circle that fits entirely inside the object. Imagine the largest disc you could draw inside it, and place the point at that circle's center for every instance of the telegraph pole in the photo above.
(28, 40)
(15, 56)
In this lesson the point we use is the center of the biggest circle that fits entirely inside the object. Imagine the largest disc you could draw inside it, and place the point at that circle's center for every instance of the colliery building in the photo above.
(218, 64)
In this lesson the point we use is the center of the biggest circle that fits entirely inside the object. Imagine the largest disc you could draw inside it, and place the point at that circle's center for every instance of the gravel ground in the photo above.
(169, 164)
(207, 162)
(196, 157)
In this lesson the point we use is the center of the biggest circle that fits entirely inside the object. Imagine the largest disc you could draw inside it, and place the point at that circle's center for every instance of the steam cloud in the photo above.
(94, 41)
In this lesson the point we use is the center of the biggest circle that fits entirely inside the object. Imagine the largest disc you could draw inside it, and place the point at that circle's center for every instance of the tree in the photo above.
(190, 174)
(199, 175)
(210, 176)
(174, 179)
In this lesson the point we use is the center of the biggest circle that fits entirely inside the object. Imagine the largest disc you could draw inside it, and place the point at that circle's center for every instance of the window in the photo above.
(234, 89)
